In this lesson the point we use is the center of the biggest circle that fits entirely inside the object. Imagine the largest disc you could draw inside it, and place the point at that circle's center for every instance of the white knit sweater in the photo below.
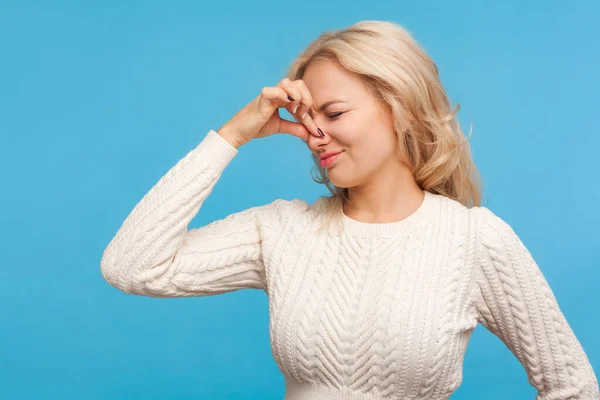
(382, 311)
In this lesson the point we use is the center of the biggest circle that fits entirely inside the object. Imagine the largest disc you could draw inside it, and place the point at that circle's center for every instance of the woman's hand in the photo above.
(260, 117)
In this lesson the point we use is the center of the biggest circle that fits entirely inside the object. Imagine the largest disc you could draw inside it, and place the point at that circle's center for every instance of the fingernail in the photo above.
(290, 98)
(304, 115)
(320, 132)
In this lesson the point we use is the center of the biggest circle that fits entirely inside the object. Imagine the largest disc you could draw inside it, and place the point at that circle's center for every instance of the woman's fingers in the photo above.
(302, 101)
(294, 92)
(307, 100)
(294, 128)
(306, 104)
(311, 125)
(276, 97)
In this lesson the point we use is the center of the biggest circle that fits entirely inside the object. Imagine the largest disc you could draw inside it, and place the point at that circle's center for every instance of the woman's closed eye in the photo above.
(335, 115)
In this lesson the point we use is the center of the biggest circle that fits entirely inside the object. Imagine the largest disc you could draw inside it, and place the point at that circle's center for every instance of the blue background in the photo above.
(99, 100)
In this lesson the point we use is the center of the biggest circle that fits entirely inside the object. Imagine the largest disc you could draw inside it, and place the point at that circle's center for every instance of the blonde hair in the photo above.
(401, 76)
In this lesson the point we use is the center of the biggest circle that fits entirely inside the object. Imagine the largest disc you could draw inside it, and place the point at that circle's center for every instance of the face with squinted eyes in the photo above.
(353, 122)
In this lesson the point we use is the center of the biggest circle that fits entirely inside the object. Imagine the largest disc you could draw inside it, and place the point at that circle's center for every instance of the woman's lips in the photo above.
(327, 162)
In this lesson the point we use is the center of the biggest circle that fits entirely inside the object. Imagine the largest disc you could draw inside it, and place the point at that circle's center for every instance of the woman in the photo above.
(375, 290)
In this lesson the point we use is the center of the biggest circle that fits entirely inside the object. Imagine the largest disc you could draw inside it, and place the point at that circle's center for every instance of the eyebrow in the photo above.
(323, 106)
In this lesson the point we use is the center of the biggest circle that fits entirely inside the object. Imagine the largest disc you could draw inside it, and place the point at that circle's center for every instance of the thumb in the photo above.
(294, 128)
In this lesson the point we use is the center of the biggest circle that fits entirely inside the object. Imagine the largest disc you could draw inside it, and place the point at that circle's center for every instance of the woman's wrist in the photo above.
(230, 136)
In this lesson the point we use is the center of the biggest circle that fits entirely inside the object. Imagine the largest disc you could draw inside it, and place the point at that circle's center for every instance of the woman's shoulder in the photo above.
(283, 213)
(479, 217)
(295, 206)
(299, 205)
(452, 206)
(486, 218)
(290, 208)
(493, 230)
(285, 208)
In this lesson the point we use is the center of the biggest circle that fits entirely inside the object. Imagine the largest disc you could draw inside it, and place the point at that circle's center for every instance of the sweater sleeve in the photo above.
(517, 305)
(155, 254)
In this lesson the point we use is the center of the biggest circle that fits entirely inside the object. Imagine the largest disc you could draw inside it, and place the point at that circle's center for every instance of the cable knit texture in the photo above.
(379, 311)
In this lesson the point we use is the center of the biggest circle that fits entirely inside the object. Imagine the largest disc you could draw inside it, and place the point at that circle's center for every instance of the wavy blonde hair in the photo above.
(402, 77)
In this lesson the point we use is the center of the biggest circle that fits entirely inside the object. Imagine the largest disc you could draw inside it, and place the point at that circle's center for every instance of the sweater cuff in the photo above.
(216, 151)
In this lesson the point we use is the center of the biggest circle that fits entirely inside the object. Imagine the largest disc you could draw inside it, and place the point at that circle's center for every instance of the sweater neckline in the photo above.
(385, 229)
